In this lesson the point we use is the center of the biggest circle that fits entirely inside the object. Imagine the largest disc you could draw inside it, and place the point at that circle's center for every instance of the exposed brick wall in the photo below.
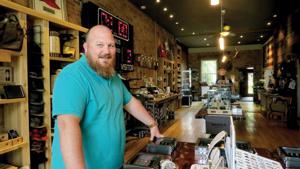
(147, 33)
(145, 38)
(73, 11)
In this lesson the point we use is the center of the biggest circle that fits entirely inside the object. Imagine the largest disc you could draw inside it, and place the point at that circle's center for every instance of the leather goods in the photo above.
(13, 91)
(11, 32)
(12, 134)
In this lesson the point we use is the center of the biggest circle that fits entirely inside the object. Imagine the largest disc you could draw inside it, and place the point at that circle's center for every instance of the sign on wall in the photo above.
(56, 8)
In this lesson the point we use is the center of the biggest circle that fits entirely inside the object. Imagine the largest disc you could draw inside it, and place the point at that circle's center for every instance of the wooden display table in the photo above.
(203, 112)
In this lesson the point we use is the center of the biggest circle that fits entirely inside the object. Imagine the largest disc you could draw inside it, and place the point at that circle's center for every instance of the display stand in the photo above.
(186, 100)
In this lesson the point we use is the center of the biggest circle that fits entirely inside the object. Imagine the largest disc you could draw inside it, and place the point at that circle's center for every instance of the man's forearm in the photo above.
(137, 110)
(71, 142)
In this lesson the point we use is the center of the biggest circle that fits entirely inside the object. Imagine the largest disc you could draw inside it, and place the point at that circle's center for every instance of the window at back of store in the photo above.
(209, 71)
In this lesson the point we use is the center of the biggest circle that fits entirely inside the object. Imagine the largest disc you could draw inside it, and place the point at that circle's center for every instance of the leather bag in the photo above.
(11, 32)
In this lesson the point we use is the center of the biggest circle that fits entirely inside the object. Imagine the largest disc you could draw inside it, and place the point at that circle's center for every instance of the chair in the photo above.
(278, 107)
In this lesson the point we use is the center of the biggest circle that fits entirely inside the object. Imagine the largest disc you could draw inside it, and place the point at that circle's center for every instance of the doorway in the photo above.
(250, 83)
(247, 82)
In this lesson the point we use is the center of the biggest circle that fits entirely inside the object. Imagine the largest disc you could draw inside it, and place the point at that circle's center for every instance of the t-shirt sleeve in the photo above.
(126, 95)
(69, 96)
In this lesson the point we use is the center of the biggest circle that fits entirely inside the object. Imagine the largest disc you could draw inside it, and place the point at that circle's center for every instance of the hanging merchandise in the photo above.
(11, 32)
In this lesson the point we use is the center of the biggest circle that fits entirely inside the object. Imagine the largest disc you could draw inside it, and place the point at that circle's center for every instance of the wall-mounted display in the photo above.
(92, 15)
(119, 27)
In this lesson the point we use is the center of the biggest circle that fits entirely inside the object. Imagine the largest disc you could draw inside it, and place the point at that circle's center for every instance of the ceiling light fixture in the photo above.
(182, 29)
(239, 42)
(165, 9)
(171, 16)
(224, 58)
(176, 23)
(261, 36)
(157, 1)
(241, 36)
(214, 2)
(193, 33)
(204, 39)
(274, 16)
(143, 7)
(222, 43)
(207, 44)
(221, 39)
(269, 23)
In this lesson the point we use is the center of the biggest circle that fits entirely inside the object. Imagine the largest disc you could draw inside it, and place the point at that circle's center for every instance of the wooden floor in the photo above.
(261, 132)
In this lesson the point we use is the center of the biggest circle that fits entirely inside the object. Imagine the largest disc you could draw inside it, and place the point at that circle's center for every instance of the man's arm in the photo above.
(71, 141)
(137, 110)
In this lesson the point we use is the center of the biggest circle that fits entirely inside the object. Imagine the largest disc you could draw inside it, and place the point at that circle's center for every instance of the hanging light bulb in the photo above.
(221, 43)
(214, 2)
(224, 58)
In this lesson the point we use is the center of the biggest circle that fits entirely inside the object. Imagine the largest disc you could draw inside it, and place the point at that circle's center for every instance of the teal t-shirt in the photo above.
(98, 102)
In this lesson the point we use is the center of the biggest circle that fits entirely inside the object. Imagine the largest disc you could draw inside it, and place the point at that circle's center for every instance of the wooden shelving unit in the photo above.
(15, 111)
(18, 116)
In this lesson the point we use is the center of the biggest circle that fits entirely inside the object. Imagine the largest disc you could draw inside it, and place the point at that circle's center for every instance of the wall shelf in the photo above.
(6, 55)
(12, 148)
(9, 101)
(62, 59)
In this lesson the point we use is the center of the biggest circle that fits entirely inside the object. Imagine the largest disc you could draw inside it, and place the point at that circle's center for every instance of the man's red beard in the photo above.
(105, 71)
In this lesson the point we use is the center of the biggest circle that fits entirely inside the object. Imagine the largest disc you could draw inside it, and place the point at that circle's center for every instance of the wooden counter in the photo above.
(164, 99)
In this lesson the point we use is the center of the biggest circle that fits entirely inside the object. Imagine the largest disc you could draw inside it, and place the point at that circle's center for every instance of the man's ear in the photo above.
(85, 47)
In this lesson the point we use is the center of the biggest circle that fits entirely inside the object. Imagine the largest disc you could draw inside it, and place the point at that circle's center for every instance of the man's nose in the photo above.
(105, 49)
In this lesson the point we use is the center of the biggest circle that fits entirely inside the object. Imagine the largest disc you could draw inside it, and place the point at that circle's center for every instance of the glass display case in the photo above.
(186, 90)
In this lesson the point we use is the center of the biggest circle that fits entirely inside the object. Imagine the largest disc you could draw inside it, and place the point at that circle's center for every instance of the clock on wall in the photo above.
(119, 27)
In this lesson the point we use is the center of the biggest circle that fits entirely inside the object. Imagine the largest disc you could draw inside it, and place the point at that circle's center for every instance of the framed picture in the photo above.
(56, 8)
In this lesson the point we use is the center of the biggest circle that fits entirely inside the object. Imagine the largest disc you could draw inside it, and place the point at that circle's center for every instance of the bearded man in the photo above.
(88, 102)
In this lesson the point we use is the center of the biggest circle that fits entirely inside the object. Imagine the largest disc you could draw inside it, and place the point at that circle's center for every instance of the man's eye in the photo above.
(111, 46)
(100, 45)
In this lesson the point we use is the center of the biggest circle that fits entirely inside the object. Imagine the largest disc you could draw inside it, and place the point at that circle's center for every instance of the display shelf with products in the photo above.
(40, 79)
(52, 61)
(196, 89)
(186, 99)
(14, 109)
